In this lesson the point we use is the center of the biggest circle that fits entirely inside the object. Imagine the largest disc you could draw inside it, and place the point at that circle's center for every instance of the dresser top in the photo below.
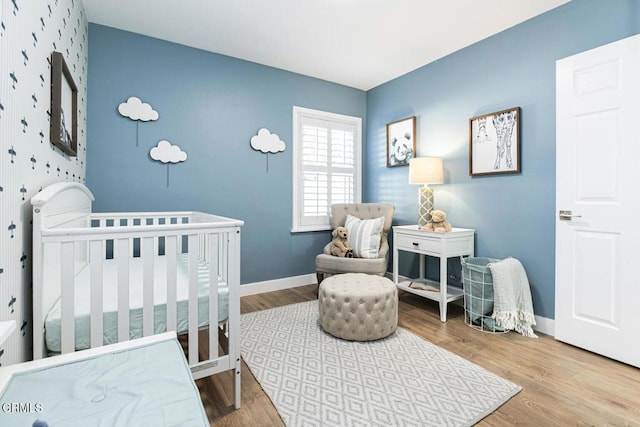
(416, 228)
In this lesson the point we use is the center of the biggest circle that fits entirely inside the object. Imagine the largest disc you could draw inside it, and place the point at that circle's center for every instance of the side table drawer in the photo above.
(417, 243)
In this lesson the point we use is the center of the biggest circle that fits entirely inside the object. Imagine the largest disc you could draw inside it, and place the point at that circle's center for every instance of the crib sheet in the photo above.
(150, 385)
(82, 306)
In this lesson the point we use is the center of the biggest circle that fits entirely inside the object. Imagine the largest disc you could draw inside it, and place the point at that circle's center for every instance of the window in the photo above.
(326, 165)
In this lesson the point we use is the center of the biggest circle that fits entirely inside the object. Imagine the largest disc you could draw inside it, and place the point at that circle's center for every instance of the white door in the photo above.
(598, 182)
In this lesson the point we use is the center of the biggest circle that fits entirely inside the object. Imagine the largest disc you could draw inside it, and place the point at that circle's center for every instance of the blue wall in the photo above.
(210, 105)
(514, 215)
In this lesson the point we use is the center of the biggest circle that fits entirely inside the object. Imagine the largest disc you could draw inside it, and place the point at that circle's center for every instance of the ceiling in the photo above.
(357, 43)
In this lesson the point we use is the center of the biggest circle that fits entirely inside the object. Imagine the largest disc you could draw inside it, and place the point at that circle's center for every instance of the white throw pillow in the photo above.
(364, 236)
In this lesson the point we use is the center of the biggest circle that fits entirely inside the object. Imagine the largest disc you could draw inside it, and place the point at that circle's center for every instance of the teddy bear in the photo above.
(339, 245)
(438, 222)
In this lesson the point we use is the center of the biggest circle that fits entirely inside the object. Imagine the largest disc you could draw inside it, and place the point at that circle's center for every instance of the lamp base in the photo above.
(425, 205)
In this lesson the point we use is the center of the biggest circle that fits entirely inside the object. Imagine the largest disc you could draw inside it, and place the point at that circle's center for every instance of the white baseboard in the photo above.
(545, 325)
(277, 284)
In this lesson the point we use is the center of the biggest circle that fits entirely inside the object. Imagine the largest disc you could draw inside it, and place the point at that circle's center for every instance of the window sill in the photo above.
(308, 229)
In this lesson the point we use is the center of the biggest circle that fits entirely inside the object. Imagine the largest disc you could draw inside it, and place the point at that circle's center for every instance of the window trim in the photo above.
(298, 114)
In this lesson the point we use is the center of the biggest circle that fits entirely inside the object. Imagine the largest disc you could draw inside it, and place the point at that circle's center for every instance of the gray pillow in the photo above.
(364, 236)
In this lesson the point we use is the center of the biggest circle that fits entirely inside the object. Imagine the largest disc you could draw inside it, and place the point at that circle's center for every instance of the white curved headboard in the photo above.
(62, 203)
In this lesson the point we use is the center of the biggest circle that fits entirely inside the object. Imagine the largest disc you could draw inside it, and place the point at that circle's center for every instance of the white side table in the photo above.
(458, 242)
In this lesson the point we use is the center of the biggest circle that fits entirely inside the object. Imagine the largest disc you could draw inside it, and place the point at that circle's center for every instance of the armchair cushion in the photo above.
(364, 236)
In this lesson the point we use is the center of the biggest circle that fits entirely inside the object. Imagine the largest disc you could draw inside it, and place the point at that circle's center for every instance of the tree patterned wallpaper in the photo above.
(29, 32)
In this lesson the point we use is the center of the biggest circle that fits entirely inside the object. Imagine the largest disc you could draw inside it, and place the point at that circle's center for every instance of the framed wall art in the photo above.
(401, 142)
(494, 143)
(64, 107)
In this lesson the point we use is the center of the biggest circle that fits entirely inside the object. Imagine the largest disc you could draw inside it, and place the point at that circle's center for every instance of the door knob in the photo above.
(567, 216)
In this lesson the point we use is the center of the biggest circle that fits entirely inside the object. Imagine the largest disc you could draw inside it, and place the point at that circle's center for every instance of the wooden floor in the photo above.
(561, 385)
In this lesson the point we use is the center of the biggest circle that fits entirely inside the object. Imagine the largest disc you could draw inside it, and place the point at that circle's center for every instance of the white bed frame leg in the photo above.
(234, 312)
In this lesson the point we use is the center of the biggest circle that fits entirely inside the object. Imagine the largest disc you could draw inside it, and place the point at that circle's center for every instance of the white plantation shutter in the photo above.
(326, 166)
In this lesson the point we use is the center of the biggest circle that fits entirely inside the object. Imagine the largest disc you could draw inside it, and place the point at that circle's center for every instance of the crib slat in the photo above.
(123, 290)
(156, 240)
(193, 298)
(96, 257)
(202, 246)
(67, 285)
(171, 254)
(212, 261)
(146, 251)
(116, 250)
(222, 262)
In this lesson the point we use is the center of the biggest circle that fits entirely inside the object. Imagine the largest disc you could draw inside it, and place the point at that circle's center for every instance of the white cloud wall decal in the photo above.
(168, 154)
(138, 111)
(267, 142)
(165, 152)
(135, 109)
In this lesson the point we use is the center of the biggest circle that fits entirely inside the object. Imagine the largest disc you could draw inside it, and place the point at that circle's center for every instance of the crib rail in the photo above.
(120, 238)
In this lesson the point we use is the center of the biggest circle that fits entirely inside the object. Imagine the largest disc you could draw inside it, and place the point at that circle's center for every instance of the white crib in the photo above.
(104, 278)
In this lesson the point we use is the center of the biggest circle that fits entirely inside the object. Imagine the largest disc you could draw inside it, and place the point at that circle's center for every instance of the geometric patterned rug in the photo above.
(315, 379)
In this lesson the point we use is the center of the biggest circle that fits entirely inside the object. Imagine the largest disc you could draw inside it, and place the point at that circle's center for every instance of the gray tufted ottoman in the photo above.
(358, 307)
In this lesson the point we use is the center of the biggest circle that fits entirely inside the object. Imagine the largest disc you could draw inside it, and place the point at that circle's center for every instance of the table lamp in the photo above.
(425, 170)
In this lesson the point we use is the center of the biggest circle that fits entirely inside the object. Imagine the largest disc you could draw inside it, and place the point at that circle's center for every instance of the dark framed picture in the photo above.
(494, 143)
(401, 142)
(64, 107)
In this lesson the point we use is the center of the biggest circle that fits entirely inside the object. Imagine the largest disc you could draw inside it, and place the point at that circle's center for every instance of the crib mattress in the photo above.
(82, 308)
(150, 385)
